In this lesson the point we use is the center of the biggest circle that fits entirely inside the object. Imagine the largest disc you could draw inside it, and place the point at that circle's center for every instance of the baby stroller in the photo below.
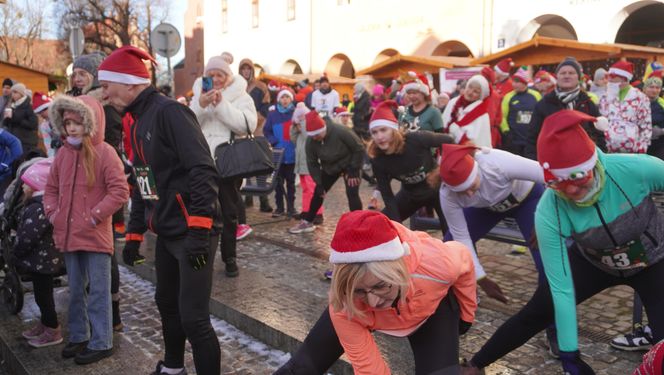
(11, 289)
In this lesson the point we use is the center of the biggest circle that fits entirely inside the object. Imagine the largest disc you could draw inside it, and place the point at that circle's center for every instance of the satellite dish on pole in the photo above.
(76, 42)
(165, 40)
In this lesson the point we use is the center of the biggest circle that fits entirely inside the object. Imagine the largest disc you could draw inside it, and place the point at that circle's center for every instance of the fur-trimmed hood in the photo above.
(89, 108)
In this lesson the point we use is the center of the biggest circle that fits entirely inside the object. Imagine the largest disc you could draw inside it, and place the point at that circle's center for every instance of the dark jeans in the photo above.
(230, 201)
(286, 174)
(589, 280)
(43, 289)
(183, 299)
(435, 345)
(352, 193)
(407, 206)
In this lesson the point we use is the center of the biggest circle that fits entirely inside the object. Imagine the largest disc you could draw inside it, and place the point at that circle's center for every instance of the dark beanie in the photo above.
(90, 63)
(7, 82)
(570, 61)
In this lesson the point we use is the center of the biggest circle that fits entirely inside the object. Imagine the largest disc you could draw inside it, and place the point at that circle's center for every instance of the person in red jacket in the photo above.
(85, 187)
(493, 106)
(503, 80)
(390, 279)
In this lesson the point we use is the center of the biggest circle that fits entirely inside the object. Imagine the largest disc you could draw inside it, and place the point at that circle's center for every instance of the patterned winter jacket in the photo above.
(630, 122)
(34, 248)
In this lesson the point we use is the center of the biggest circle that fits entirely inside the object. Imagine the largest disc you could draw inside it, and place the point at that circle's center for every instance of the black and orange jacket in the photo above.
(167, 137)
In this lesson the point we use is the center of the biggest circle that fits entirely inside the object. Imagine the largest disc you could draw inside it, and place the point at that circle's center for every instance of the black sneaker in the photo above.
(552, 339)
(88, 356)
(73, 348)
(639, 340)
(160, 365)
(232, 269)
(278, 212)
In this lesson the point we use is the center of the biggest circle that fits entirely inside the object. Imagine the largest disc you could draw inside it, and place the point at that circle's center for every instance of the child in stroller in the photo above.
(34, 253)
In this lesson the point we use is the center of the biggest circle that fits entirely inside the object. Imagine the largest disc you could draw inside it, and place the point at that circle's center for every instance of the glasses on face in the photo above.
(575, 179)
(379, 290)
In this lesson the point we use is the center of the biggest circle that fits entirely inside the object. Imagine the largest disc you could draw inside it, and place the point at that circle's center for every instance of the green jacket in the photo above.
(341, 151)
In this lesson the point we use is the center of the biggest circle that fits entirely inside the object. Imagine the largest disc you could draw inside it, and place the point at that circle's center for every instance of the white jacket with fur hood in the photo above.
(229, 115)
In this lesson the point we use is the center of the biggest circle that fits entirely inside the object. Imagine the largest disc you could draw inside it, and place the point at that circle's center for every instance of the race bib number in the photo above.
(505, 205)
(523, 117)
(145, 182)
(629, 256)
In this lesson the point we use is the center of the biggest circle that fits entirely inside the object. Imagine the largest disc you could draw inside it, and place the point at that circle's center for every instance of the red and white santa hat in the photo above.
(273, 85)
(365, 236)
(623, 69)
(564, 149)
(285, 91)
(418, 82)
(315, 124)
(653, 361)
(522, 75)
(40, 102)
(543, 75)
(341, 111)
(504, 66)
(383, 115)
(125, 65)
(458, 168)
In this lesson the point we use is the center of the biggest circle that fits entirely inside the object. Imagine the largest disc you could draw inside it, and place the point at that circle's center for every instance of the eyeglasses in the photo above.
(380, 290)
(575, 179)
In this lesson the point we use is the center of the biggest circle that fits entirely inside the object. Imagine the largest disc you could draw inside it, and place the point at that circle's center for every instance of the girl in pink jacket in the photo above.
(85, 187)
(390, 279)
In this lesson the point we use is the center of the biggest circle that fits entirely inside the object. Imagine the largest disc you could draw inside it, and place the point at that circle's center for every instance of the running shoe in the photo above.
(278, 212)
(640, 339)
(160, 366)
(518, 250)
(50, 336)
(303, 227)
(34, 331)
(243, 230)
(373, 204)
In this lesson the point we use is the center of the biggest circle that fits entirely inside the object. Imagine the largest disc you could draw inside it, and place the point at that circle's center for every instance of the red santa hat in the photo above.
(315, 124)
(623, 69)
(341, 111)
(273, 85)
(285, 91)
(458, 168)
(521, 75)
(125, 65)
(40, 102)
(653, 361)
(543, 75)
(504, 66)
(365, 236)
(383, 115)
(418, 82)
(564, 149)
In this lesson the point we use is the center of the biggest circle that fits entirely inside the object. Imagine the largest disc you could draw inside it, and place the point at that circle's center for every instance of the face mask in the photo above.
(74, 141)
(612, 89)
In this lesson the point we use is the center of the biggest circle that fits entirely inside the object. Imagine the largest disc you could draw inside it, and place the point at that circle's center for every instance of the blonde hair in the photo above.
(397, 146)
(89, 157)
(345, 277)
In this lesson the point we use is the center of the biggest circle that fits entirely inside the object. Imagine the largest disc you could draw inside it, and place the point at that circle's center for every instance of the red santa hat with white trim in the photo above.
(564, 149)
(458, 168)
(623, 69)
(418, 82)
(383, 115)
(365, 236)
(315, 124)
(125, 65)
(504, 66)
(40, 102)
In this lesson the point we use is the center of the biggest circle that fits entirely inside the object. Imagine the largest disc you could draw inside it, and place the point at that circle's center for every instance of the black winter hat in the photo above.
(7, 82)
(571, 61)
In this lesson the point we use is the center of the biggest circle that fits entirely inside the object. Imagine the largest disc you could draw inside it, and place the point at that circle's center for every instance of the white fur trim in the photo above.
(42, 107)
(129, 79)
(418, 86)
(284, 92)
(622, 73)
(564, 173)
(390, 250)
(602, 124)
(469, 181)
(383, 122)
(316, 132)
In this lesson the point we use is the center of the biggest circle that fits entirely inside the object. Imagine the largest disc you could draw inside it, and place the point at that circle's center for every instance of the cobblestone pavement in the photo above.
(605, 315)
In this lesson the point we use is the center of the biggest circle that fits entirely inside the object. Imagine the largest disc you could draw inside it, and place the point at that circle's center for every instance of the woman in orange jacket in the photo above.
(390, 279)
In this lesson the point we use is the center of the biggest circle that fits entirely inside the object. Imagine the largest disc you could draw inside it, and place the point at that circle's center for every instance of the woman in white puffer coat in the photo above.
(223, 109)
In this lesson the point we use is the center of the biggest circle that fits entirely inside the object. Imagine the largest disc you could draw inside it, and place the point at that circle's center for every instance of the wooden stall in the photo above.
(32, 79)
(343, 85)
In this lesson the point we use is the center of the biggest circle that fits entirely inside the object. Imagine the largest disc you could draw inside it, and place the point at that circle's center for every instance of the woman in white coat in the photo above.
(466, 118)
(224, 108)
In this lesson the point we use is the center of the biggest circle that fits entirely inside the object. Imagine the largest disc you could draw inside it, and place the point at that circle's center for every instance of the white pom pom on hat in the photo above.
(602, 124)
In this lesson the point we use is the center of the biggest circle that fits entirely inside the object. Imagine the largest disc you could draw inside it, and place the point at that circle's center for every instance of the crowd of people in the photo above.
(572, 161)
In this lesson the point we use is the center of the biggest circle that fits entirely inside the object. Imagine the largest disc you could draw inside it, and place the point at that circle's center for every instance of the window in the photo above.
(224, 16)
(254, 13)
(290, 14)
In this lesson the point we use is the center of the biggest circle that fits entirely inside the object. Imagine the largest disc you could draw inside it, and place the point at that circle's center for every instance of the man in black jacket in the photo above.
(567, 95)
(176, 198)
(361, 111)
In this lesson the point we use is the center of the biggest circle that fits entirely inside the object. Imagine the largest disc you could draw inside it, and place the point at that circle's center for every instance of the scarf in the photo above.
(19, 102)
(568, 97)
(283, 109)
(470, 116)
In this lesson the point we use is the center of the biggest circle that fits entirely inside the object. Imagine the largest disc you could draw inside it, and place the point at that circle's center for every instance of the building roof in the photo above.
(292, 79)
(543, 51)
(399, 63)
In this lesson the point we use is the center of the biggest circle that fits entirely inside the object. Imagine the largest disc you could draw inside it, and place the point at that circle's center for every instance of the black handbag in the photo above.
(244, 157)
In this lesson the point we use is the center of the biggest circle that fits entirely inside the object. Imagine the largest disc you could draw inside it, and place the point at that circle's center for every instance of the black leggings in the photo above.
(407, 206)
(230, 201)
(183, 300)
(43, 289)
(589, 280)
(352, 193)
(435, 345)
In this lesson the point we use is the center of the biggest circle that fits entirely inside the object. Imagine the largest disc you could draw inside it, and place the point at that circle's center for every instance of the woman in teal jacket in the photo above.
(603, 203)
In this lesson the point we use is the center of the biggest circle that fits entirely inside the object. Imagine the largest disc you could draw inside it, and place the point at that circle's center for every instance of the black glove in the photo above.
(130, 254)
(464, 326)
(352, 173)
(198, 247)
(574, 365)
